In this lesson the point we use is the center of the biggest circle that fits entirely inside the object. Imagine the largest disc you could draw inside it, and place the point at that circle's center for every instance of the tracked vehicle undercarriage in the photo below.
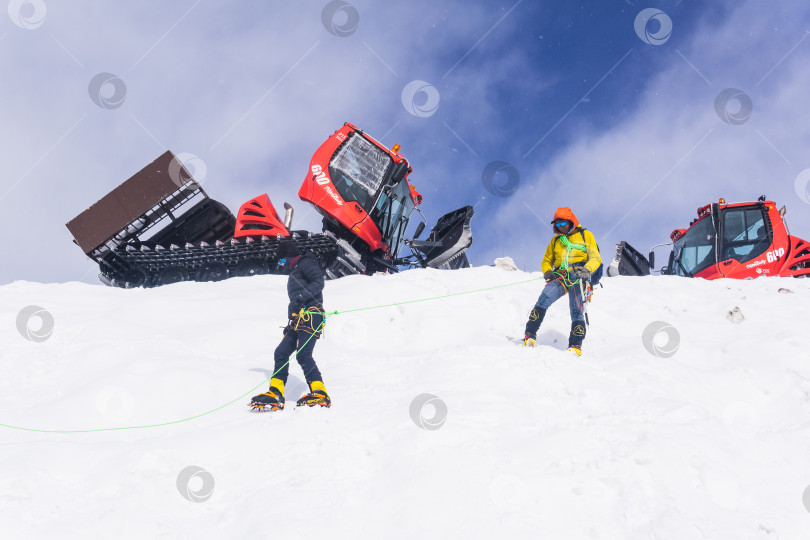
(161, 227)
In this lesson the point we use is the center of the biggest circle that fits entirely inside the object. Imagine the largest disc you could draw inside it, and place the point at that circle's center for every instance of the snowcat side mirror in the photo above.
(419, 229)
(782, 211)
(652, 259)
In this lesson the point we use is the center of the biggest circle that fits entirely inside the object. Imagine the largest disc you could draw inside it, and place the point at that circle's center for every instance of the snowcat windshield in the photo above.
(694, 251)
(358, 169)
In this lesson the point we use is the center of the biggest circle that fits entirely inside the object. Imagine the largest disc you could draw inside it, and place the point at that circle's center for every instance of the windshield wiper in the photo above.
(678, 261)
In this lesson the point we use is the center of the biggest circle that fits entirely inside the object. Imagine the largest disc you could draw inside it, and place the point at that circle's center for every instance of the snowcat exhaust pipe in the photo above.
(288, 215)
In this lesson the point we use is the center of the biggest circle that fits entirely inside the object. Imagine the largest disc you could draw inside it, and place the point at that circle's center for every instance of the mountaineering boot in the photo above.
(576, 337)
(533, 324)
(317, 396)
(272, 400)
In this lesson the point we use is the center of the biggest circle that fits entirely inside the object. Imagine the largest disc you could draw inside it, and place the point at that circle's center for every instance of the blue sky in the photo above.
(581, 105)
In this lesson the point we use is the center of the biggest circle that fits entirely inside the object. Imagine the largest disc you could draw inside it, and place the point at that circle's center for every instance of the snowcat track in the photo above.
(146, 264)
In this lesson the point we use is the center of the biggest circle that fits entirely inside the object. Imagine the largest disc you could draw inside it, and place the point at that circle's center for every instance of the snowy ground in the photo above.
(710, 442)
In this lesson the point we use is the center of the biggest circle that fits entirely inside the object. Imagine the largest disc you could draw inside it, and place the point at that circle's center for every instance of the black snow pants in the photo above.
(292, 340)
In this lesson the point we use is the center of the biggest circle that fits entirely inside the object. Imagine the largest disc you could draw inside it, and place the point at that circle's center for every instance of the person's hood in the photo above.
(291, 262)
(566, 213)
(307, 255)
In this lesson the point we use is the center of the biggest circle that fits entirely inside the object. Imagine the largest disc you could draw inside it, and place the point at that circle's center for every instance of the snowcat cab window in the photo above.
(358, 169)
(392, 213)
(745, 234)
(694, 251)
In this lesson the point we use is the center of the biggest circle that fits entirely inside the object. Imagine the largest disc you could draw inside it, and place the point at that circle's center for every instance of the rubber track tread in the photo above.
(153, 267)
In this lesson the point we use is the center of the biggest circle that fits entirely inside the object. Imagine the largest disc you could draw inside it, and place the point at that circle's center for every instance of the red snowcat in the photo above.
(733, 240)
(160, 226)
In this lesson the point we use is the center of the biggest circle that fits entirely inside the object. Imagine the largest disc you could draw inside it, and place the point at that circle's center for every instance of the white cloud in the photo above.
(647, 175)
(250, 89)
(193, 75)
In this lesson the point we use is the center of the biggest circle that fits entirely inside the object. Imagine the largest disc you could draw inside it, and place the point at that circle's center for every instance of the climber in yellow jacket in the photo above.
(571, 256)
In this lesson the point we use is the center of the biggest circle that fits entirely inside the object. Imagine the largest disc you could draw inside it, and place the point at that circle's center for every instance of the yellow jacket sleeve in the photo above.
(548, 258)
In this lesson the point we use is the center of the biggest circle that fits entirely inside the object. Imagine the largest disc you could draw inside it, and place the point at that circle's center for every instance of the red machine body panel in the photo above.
(258, 217)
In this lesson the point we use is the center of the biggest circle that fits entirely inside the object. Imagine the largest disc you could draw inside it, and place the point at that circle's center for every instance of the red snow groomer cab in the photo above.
(731, 240)
(362, 190)
(160, 226)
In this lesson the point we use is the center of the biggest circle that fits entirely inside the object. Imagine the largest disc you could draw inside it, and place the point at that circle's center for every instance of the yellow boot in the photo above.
(317, 396)
(272, 400)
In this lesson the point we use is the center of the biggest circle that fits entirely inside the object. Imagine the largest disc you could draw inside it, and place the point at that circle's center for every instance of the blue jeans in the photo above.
(555, 290)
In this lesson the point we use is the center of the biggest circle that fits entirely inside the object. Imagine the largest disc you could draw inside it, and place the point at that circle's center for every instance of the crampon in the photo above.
(272, 400)
(258, 406)
(315, 398)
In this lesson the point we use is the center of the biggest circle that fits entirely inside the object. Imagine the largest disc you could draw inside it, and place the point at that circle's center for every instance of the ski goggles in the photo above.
(561, 222)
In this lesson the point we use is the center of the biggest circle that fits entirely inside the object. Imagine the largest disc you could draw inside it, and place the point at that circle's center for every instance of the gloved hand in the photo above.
(583, 273)
(299, 303)
(550, 276)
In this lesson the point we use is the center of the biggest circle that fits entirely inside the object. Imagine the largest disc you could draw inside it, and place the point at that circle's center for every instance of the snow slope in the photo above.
(711, 442)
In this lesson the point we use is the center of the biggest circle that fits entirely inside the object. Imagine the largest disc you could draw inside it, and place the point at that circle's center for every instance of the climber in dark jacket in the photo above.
(305, 325)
